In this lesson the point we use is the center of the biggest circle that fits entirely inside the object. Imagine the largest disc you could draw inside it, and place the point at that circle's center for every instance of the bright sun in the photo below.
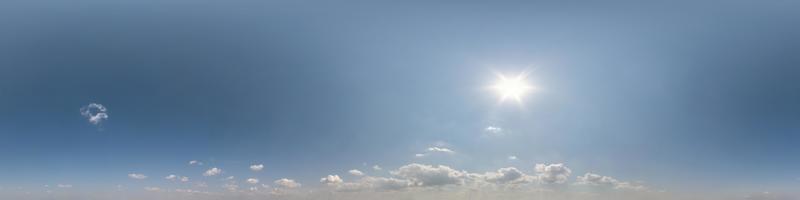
(512, 87)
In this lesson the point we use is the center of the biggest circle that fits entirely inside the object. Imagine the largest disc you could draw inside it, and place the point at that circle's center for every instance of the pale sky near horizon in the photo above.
(661, 98)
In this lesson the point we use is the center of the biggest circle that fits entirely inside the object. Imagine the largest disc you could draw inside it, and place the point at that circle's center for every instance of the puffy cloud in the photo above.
(507, 175)
(171, 177)
(355, 172)
(194, 162)
(286, 183)
(252, 181)
(64, 185)
(331, 180)
(152, 189)
(440, 149)
(427, 175)
(553, 173)
(184, 179)
(137, 176)
(212, 172)
(419, 155)
(376, 168)
(606, 181)
(257, 167)
(94, 112)
(512, 157)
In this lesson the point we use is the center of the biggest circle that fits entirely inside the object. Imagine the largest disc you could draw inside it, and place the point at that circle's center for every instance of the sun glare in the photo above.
(512, 87)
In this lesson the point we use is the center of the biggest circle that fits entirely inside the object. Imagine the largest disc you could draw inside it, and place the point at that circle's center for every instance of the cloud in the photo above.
(286, 183)
(64, 185)
(152, 189)
(212, 172)
(95, 113)
(493, 130)
(512, 157)
(377, 168)
(137, 176)
(171, 177)
(427, 175)
(184, 179)
(591, 179)
(252, 181)
(331, 180)
(440, 149)
(355, 172)
(507, 175)
(553, 173)
(257, 167)
(194, 162)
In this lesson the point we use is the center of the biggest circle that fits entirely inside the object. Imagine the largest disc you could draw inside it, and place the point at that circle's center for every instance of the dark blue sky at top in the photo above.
(669, 92)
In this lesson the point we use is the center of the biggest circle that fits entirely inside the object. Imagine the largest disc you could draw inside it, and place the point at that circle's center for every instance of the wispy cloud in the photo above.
(95, 113)
(137, 176)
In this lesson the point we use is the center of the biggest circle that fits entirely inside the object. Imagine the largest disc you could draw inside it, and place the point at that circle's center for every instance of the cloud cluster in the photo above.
(286, 183)
(257, 167)
(355, 172)
(212, 172)
(591, 179)
(553, 173)
(95, 113)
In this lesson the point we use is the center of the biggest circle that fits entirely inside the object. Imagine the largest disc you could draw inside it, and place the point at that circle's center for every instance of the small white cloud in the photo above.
(194, 162)
(229, 178)
(184, 179)
(607, 181)
(356, 172)
(286, 183)
(64, 185)
(440, 149)
(152, 189)
(427, 175)
(377, 168)
(252, 181)
(512, 157)
(257, 167)
(554, 173)
(493, 130)
(171, 177)
(419, 155)
(137, 176)
(95, 113)
(212, 172)
(230, 186)
(331, 180)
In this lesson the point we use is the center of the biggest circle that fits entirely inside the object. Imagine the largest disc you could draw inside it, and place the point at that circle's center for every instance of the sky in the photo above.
(183, 99)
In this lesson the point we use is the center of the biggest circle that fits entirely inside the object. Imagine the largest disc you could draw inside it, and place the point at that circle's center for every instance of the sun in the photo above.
(514, 87)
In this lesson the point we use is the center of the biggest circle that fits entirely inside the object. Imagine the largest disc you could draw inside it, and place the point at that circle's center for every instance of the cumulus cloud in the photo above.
(257, 167)
(252, 181)
(427, 175)
(171, 177)
(512, 157)
(194, 162)
(507, 175)
(356, 172)
(440, 149)
(376, 168)
(212, 172)
(331, 180)
(286, 183)
(553, 173)
(184, 179)
(137, 176)
(95, 113)
(606, 181)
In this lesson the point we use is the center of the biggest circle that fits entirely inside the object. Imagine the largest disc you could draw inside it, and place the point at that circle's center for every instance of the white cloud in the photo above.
(419, 155)
(606, 181)
(512, 157)
(184, 179)
(95, 113)
(137, 176)
(356, 172)
(252, 181)
(286, 183)
(230, 186)
(152, 189)
(427, 175)
(64, 185)
(212, 172)
(377, 168)
(554, 173)
(493, 130)
(507, 175)
(194, 162)
(171, 177)
(257, 167)
(440, 149)
(331, 180)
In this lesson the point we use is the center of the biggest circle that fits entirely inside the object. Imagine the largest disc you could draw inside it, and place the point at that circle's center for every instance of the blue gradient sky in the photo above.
(685, 96)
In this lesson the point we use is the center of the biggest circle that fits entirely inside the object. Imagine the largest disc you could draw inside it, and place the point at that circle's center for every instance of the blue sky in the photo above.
(682, 97)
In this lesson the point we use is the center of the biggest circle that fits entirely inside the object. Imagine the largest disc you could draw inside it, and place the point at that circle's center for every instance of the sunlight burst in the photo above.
(512, 87)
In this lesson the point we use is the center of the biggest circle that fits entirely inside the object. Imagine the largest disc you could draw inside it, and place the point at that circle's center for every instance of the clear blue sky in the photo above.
(681, 95)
